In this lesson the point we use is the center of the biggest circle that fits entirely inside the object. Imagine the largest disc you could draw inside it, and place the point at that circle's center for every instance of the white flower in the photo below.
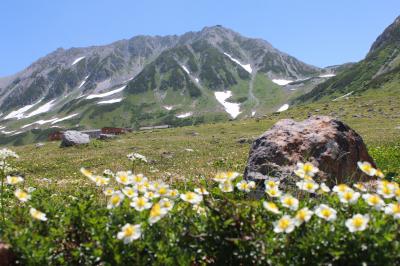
(137, 157)
(367, 168)
(340, 188)
(7, 153)
(245, 186)
(271, 184)
(226, 186)
(129, 192)
(290, 202)
(201, 191)
(139, 178)
(302, 216)
(393, 209)
(38, 215)
(86, 172)
(270, 206)
(31, 189)
(325, 212)
(348, 196)
(141, 203)
(115, 200)
(124, 178)
(323, 188)
(373, 200)
(199, 210)
(166, 204)
(151, 195)
(379, 173)
(13, 180)
(284, 224)
(387, 190)
(192, 197)
(129, 233)
(100, 180)
(306, 170)
(163, 190)
(360, 186)
(173, 193)
(225, 176)
(156, 213)
(22, 195)
(358, 222)
(141, 187)
(273, 192)
(108, 191)
(108, 172)
(307, 185)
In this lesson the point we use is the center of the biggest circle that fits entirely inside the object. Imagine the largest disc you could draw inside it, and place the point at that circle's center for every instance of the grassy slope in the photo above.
(215, 147)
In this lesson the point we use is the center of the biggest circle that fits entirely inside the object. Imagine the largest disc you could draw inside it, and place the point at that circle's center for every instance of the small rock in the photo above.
(38, 145)
(7, 257)
(72, 138)
(107, 136)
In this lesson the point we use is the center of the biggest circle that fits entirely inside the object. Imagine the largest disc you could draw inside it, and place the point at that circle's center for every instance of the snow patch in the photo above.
(7, 132)
(253, 113)
(42, 109)
(327, 76)
(77, 60)
(343, 96)
(197, 80)
(168, 107)
(186, 70)
(83, 82)
(40, 122)
(245, 67)
(19, 114)
(102, 95)
(281, 82)
(283, 108)
(184, 115)
(64, 118)
(111, 101)
(233, 109)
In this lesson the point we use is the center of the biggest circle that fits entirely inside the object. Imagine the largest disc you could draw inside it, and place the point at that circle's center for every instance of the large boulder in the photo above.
(72, 138)
(329, 144)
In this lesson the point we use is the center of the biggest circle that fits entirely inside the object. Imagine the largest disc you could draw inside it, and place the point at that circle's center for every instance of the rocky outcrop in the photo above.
(329, 144)
(72, 138)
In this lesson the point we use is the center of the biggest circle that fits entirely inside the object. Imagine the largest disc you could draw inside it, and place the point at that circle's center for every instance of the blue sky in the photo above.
(318, 32)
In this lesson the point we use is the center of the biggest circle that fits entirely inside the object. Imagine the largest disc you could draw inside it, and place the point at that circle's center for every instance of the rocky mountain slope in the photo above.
(210, 75)
(379, 69)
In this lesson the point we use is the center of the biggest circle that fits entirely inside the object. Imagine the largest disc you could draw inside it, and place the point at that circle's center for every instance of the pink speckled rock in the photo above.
(329, 144)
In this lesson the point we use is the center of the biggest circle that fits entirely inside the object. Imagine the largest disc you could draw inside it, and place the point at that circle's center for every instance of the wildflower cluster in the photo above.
(15, 183)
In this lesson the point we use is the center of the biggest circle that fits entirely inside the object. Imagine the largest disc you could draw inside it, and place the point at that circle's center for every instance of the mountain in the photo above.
(379, 70)
(210, 75)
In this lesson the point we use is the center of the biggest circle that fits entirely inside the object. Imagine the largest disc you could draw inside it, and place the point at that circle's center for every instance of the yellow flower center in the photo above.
(326, 212)
(123, 178)
(386, 190)
(141, 202)
(307, 168)
(115, 200)
(190, 196)
(271, 184)
(162, 191)
(284, 223)
(374, 200)
(358, 222)
(348, 195)
(396, 208)
(155, 211)
(288, 201)
(301, 215)
(129, 231)
(309, 186)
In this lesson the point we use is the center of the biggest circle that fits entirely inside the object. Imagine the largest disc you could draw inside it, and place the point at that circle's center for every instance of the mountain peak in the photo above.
(390, 36)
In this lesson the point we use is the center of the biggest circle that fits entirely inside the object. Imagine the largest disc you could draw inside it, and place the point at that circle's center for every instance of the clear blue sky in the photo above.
(318, 32)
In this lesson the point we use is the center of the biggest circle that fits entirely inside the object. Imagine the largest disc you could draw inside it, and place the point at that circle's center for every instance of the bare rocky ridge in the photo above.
(329, 144)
